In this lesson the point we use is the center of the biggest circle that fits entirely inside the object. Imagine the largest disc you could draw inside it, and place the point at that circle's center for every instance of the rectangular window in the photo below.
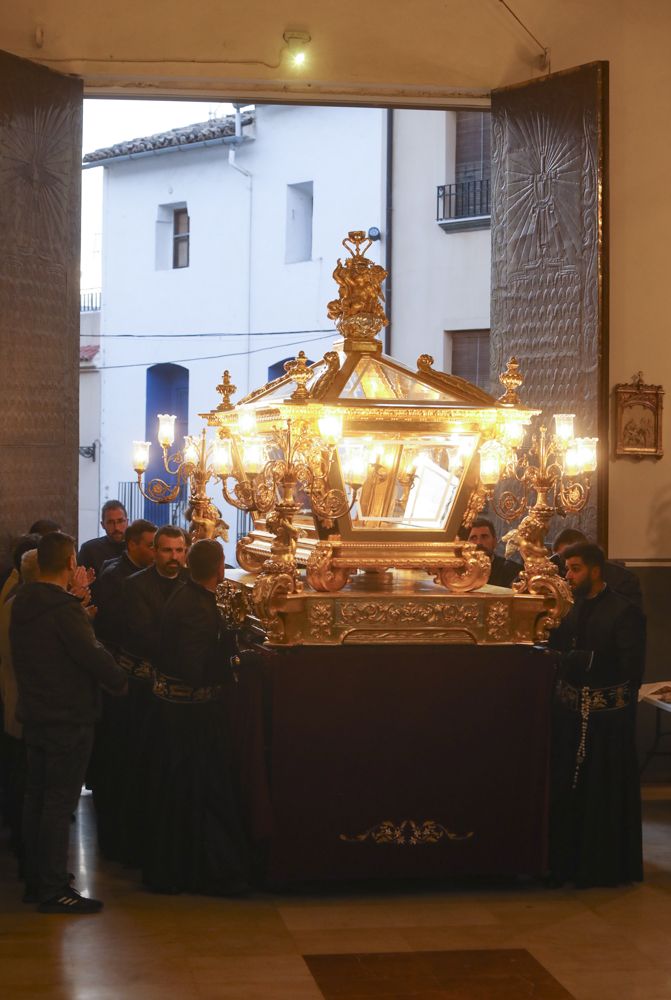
(180, 238)
(470, 356)
(300, 200)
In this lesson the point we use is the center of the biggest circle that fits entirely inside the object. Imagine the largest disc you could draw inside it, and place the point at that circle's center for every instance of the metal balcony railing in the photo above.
(464, 200)
(90, 300)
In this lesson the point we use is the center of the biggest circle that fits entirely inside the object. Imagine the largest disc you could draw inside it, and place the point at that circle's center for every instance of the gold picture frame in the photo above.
(638, 419)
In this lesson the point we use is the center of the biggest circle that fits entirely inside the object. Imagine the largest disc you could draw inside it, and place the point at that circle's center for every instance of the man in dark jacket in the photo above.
(96, 551)
(595, 807)
(110, 585)
(147, 591)
(195, 834)
(60, 668)
(504, 571)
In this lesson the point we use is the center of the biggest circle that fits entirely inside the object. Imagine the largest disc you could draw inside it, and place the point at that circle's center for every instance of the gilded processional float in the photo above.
(407, 709)
(359, 474)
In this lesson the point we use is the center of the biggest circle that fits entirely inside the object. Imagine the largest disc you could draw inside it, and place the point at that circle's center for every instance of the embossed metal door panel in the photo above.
(549, 252)
(40, 181)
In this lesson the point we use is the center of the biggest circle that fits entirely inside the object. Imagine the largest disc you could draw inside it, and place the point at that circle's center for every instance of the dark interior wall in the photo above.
(40, 190)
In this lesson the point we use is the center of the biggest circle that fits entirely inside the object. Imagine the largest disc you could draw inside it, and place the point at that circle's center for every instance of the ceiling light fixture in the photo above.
(297, 42)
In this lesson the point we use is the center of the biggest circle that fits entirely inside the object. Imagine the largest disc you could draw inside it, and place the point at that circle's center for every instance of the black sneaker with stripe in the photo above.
(70, 901)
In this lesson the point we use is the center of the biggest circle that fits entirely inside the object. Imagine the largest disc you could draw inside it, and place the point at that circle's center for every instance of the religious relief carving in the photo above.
(407, 833)
(638, 419)
(548, 257)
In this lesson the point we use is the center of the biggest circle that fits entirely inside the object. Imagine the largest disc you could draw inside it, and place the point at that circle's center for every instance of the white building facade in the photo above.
(219, 243)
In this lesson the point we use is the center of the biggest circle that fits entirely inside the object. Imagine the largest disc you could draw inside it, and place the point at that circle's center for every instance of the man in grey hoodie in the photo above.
(60, 668)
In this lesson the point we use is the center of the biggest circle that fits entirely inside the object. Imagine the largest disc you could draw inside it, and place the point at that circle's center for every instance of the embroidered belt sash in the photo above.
(594, 699)
(175, 690)
(135, 666)
(586, 700)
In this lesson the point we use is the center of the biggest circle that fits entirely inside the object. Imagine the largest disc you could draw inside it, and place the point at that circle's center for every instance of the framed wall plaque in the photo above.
(638, 419)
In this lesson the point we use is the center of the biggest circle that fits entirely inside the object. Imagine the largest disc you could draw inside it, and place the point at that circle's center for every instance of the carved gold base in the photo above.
(412, 610)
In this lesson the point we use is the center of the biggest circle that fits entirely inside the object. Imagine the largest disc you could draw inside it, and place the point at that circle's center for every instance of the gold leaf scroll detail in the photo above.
(407, 833)
(321, 620)
(498, 620)
(409, 611)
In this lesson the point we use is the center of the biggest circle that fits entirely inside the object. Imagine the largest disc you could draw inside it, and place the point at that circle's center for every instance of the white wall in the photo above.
(233, 285)
(441, 281)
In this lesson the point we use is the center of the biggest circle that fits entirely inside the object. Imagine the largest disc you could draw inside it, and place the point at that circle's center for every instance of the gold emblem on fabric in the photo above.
(407, 833)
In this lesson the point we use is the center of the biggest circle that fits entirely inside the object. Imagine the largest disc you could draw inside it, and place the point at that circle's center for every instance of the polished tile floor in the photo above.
(504, 942)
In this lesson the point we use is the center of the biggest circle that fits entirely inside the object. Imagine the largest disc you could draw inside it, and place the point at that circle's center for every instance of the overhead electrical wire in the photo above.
(209, 357)
(185, 336)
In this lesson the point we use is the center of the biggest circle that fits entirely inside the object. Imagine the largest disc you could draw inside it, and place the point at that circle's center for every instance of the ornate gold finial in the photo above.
(358, 311)
(227, 389)
(300, 374)
(511, 380)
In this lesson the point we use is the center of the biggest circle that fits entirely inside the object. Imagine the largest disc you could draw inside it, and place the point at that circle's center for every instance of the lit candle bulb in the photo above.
(190, 451)
(330, 427)
(564, 426)
(166, 429)
(572, 463)
(141, 455)
(491, 462)
(247, 422)
(252, 457)
(587, 453)
(221, 458)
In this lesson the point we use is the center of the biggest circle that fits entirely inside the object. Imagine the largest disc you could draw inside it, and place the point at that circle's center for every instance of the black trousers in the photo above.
(57, 758)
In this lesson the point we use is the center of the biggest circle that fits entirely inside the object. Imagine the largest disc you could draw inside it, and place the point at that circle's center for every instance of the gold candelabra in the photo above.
(196, 464)
(552, 478)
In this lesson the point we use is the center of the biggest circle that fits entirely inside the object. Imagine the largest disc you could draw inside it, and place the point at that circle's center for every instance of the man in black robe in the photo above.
(504, 571)
(595, 821)
(114, 520)
(195, 836)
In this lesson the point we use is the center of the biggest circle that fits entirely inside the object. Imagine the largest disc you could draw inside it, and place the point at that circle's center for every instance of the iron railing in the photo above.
(465, 200)
(90, 300)
(244, 524)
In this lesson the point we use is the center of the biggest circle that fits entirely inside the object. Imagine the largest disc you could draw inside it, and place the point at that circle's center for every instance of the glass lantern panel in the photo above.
(403, 485)
(376, 381)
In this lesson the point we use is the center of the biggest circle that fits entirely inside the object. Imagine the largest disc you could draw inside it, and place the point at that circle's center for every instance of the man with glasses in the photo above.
(114, 519)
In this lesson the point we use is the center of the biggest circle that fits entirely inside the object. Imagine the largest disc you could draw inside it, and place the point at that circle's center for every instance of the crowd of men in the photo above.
(116, 669)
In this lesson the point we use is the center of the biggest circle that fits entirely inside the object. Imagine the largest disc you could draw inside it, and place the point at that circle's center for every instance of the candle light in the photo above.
(222, 462)
(166, 429)
(141, 455)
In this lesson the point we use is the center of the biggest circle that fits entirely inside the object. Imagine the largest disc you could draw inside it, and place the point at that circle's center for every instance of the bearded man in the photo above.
(595, 818)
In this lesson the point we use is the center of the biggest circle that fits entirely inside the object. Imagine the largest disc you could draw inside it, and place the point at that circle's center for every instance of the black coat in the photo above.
(109, 598)
(195, 645)
(96, 551)
(145, 595)
(595, 808)
(503, 571)
(59, 664)
(613, 629)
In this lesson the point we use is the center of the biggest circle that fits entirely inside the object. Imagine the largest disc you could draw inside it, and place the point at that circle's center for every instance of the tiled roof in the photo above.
(217, 128)
(87, 352)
